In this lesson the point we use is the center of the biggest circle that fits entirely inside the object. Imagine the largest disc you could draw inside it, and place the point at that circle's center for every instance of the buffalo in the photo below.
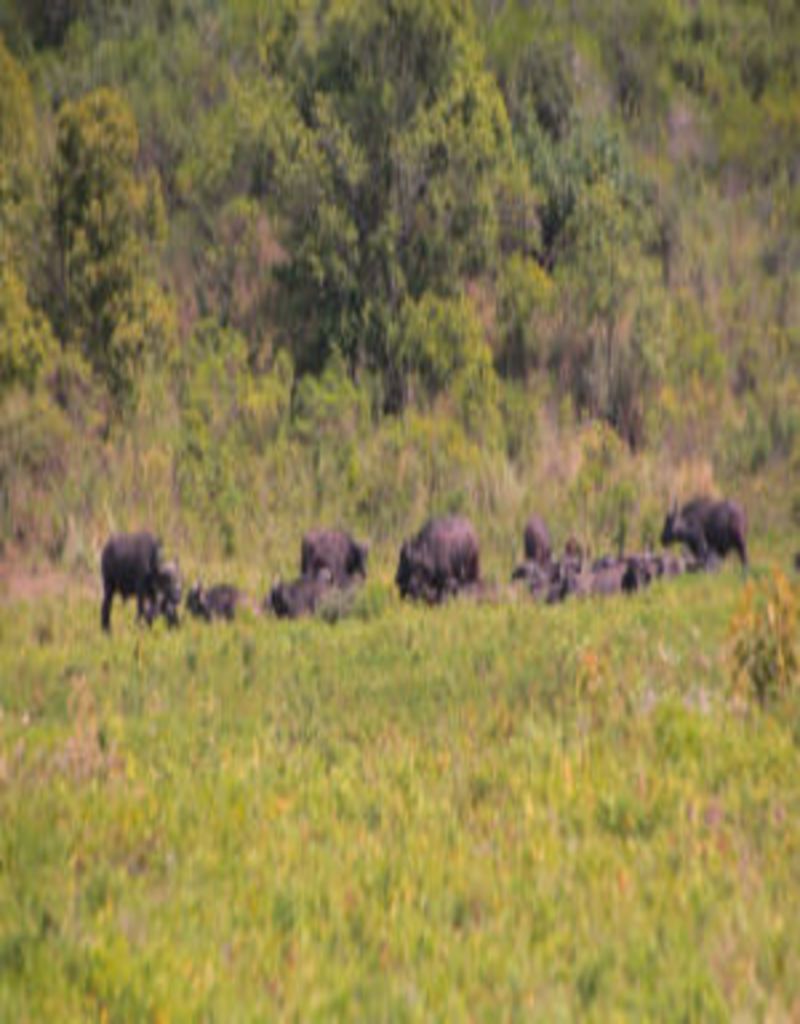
(336, 552)
(537, 541)
(708, 528)
(573, 552)
(667, 565)
(301, 596)
(440, 560)
(611, 574)
(535, 575)
(132, 565)
(217, 602)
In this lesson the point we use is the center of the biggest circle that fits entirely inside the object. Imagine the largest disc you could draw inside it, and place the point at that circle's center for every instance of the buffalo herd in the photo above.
(442, 560)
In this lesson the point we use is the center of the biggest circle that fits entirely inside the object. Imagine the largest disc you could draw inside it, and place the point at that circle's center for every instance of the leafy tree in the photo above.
(612, 340)
(530, 53)
(524, 299)
(227, 413)
(26, 340)
(390, 180)
(330, 415)
(439, 348)
(18, 162)
(108, 219)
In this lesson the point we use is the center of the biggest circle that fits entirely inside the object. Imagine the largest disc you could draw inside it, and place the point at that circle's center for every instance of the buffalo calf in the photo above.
(299, 597)
(217, 602)
(335, 552)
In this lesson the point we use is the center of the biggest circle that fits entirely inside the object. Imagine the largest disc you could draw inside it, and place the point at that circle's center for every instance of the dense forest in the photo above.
(359, 260)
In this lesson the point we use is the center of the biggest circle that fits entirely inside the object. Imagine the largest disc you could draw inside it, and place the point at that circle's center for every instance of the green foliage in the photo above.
(472, 224)
(603, 493)
(331, 415)
(766, 657)
(612, 342)
(533, 70)
(37, 442)
(392, 181)
(18, 162)
(438, 347)
(26, 341)
(226, 415)
(524, 302)
(467, 812)
(105, 218)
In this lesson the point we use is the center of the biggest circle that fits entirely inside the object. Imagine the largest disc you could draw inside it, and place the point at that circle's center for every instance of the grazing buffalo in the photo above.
(336, 552)
(537, 541)
(132, 566)
(608, 575)
(708, 528)
(533, 574)
(441, 559)
(667, 565)
(300, 597)
(607, 578)
(218, 602)
(639, 572)
(573, 552)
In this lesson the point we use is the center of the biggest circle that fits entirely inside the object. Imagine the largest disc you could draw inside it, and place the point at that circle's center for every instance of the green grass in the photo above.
(475, 812)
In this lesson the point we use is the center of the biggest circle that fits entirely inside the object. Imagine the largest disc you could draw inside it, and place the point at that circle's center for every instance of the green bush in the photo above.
(37, 445)
(766, 656)
(26, 340)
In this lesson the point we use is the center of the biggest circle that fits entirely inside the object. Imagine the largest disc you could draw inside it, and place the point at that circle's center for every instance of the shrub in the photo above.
(440, 347)
(35, 441)
(604, 492)
(26, 341)
(766, 657)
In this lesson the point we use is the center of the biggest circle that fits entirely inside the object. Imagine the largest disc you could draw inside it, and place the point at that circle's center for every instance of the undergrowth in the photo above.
(473, 812)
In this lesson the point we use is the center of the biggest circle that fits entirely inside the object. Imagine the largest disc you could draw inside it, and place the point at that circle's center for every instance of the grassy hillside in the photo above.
(267, 265)
(473, 812)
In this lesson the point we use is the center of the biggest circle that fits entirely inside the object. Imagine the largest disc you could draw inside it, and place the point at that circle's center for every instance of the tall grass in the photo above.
(487, 812)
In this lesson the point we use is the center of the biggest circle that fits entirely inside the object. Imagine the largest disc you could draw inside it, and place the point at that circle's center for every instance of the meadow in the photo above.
(269, 266)
(483, 811)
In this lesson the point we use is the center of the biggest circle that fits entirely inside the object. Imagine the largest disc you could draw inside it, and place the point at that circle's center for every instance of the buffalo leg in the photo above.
(105, 611)
(144, 607)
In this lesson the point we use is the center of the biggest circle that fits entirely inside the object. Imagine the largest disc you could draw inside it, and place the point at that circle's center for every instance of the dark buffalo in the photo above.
(608, 575)
(336, 552)
(567, 580)
(132, 565)
(442, 558)
(532, 572)
(217, 602)
(667, 565)
(605, 562)
(573, 553)
(537, 541)
(301, 596)
(537, 578)
(708, 528)
(639, 572)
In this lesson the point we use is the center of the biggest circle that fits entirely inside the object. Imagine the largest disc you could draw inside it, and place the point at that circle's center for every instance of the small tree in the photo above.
(18, 165)
(26, 341)
(107, 219)
(612, 338)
